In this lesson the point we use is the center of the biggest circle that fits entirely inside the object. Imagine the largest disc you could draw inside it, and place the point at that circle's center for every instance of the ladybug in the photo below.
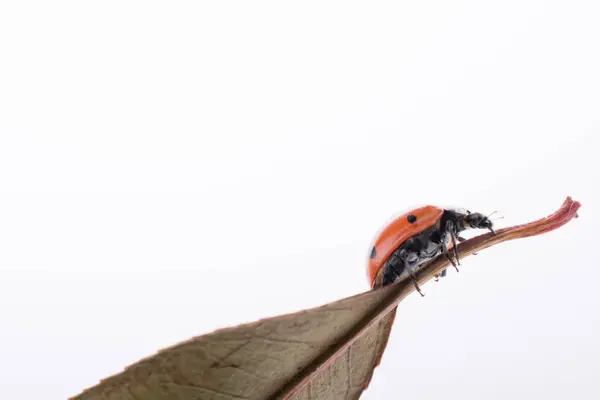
(418, 236)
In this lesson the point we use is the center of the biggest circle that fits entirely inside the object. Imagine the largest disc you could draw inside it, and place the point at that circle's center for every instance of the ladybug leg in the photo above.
(411, 273)
(414, 280)
(449, 257)
(451, 229)
(455, 249)
(397, 264)
(447, 253)
(392, 271)
(440, 275)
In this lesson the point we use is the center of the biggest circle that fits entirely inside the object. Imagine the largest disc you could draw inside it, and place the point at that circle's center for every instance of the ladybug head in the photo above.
(479, 221)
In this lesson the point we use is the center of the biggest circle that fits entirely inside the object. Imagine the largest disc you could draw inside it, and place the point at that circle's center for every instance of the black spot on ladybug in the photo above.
(411, 219)
(373, 253)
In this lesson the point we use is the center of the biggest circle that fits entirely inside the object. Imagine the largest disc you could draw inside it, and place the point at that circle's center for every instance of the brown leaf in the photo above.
(328, 352)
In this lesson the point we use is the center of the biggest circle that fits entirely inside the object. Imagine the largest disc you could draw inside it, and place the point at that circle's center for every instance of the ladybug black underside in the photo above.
(423, 247)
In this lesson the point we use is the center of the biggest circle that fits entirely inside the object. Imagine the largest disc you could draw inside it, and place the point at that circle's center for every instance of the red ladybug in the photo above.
(417, 236)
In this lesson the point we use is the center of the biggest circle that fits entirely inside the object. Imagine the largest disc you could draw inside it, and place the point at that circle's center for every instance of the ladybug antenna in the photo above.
(497, 218)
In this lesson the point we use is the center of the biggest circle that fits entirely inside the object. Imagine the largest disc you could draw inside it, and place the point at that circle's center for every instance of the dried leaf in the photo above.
(328, 352)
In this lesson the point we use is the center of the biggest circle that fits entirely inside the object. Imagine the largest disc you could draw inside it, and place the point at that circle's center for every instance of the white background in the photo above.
(169, 168)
